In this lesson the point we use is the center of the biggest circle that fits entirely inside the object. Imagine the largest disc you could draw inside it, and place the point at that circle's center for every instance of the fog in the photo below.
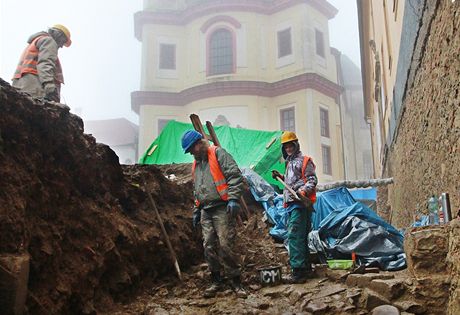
(102, 67)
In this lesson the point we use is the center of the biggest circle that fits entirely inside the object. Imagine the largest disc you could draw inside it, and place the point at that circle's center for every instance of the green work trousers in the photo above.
(299, 226)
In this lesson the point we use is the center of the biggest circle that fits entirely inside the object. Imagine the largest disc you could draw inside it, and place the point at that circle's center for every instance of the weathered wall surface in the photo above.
(425, 157)
(453, 260)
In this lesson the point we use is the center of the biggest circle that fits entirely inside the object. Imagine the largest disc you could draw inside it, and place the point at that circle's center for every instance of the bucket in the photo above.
(269, 275)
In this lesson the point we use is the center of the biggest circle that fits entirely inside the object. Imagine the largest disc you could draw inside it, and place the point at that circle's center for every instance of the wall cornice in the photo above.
(229, 88)
(184, 17)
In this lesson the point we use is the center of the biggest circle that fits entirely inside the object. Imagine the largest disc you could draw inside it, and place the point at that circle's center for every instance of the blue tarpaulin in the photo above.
(364, 193)
(340, 226)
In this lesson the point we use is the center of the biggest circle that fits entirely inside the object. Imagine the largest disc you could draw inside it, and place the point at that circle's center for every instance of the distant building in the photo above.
(357, 148)
(380, 28)
(120, 134)
(259, 64)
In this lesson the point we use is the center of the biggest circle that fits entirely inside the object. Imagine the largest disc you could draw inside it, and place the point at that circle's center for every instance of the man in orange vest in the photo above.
(218, 184)
(301, 177)
(39, 71)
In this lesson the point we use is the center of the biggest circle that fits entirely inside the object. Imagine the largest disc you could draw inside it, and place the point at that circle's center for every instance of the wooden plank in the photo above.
(214, 138)
(165, 234)
(196, 122)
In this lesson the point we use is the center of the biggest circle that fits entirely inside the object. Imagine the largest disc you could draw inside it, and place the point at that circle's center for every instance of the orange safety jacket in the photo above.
(216, 173)
(306, 158)
(29, 60)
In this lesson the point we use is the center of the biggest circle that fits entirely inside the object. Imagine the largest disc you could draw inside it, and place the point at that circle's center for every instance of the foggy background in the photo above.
(102, 67)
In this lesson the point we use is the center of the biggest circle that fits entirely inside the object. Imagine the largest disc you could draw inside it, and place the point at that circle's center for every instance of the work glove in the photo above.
(196, 218)
(51, 93)
(301, 192)
(276, 174)
(303, 196)
(233, 207)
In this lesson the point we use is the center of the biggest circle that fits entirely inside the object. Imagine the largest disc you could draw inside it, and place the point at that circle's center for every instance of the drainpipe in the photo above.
(337, 54)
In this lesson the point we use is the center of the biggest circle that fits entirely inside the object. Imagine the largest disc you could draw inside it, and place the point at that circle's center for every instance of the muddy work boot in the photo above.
(300, 275)
(216, 285)
(238, 288)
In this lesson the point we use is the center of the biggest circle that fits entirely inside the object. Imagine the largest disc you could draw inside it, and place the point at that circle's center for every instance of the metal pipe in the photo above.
(445, 205)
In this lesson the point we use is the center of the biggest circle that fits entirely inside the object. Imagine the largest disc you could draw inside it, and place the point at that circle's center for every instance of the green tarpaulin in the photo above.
(258, 150)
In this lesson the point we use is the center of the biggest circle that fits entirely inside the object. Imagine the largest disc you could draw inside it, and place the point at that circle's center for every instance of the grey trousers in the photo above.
(219, 235)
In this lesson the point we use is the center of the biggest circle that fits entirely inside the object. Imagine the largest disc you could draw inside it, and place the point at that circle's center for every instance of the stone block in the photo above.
(363, 281)
(426, 250)
(274, 292)
(433, 292)
(410, 307)
(373, 299)
(389, 288)
(385, 310)
(336, 275)
(316, 307)
(14, 276)
(353, 295)
(453, 259)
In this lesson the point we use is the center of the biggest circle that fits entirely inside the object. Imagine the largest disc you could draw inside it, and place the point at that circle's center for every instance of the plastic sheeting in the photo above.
(340, 226)
(356, 228)
(259, 150)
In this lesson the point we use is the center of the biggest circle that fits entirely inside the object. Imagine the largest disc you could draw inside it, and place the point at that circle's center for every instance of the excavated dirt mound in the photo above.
(86, 221)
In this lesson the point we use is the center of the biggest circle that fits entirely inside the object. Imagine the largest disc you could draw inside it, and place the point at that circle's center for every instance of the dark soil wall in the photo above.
(85, 220)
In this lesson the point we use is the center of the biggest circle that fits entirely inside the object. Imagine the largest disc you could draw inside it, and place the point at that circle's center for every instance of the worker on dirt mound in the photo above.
(301, 177)
(39, 71)
(218, 185)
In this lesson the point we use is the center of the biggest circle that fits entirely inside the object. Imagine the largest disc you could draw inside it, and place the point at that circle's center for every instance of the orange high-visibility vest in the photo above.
(29, 60)
(216, 173)
(312, 197)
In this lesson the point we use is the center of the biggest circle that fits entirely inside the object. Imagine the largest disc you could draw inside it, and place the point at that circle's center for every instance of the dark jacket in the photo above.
(205, 189)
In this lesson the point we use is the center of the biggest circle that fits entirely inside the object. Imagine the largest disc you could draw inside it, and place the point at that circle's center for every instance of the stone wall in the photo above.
(433, 262)
(453, 260)
(425, 156)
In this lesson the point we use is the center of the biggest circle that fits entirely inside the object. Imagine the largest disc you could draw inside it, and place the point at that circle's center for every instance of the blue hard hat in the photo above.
(189, 138)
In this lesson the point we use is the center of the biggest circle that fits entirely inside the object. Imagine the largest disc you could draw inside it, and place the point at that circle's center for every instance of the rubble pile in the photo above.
(92, 236)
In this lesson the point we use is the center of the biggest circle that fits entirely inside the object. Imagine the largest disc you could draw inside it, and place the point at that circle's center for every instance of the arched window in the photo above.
(220, 52)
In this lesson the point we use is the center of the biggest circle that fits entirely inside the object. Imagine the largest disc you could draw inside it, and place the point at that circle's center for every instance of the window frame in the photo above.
(279, 39)
(161, 57)
(324, 122)
(320, 50)
(326, 154)
(284, 110)
(208, 50)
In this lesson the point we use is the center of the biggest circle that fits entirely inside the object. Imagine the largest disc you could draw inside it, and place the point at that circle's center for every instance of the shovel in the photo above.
(302, 199)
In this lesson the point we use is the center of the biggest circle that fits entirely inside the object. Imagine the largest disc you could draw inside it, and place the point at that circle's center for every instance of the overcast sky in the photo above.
(102, 67)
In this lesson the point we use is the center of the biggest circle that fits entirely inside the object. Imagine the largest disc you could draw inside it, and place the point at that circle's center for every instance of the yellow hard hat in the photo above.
(288, 136)
(66, 32)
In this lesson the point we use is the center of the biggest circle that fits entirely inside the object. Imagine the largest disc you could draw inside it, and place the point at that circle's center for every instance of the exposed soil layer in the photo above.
(85, 220)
